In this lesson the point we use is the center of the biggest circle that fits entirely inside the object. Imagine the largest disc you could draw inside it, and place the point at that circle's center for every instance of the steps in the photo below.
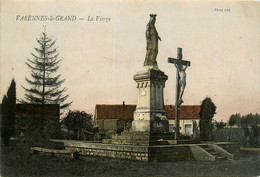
(210, 152)
(213, 152)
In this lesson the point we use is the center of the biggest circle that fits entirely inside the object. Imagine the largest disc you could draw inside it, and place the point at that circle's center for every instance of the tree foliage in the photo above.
(195, 129)
(231, 121)
(250, 120)
(8, 113)
(234, 119)
(219, 125)
(245, 120)
(207, 111)
(78, 121)
(45, 84)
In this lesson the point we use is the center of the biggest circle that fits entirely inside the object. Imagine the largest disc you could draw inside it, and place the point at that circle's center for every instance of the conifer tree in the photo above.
(207, 111)
(45, 84)
(8, 113)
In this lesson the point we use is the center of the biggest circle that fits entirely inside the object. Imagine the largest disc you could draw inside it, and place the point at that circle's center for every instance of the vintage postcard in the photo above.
(130, 66)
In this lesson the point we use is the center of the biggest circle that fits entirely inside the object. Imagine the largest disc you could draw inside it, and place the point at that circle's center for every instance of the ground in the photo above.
(16, 160)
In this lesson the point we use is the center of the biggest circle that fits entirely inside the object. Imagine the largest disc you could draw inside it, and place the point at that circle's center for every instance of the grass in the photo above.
(16, 160)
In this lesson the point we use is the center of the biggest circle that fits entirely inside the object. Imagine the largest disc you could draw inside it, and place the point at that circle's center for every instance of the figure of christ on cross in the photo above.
(181, 66)
(182, 81)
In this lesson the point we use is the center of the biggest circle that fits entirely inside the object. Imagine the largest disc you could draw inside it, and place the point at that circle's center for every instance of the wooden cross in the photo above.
(179, 62)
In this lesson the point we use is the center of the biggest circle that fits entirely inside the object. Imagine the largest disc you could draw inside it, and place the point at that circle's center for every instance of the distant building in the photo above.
(113, 117)
(188, 115)
(116, 117)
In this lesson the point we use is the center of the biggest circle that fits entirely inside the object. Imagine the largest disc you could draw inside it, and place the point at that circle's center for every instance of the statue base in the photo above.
(150, 114)
(155, 122)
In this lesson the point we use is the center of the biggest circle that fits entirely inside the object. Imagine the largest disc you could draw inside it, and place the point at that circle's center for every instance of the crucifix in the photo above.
(180, 85)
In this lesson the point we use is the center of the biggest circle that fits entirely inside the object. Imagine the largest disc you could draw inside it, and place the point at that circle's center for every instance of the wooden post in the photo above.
(177, 116)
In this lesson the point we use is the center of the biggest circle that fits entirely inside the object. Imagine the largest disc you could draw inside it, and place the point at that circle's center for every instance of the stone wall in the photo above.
(131, 152)
(138, 156)
(140, 138)
(158, 153)
(137, 153)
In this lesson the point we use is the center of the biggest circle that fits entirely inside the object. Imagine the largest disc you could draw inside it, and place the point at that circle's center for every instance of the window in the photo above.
(171, 127)
(188, 129)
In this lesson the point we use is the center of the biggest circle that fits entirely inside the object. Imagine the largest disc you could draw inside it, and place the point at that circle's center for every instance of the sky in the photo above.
(100, 58)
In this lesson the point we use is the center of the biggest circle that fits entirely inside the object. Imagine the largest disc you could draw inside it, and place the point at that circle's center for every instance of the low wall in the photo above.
(138, 153)
(160, 153)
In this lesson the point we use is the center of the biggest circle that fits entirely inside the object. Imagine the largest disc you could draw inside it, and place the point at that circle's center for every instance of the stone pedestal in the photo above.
(150, 115)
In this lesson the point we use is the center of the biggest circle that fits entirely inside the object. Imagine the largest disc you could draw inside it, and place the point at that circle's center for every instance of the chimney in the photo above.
(123, 104)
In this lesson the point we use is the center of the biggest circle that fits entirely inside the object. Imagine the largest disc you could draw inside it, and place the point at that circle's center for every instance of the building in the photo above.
(117, 117)
(189, 114)
(113, 118)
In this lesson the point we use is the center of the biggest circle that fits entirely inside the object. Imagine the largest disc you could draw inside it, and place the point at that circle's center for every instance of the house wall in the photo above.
(119, 125)
(110, 124)
(183, 123)
(116, 125)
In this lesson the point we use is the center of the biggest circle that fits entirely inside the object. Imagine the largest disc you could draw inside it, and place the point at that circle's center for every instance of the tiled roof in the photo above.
(115, 111)
(34, 109)
(127, 111)
(186, 111)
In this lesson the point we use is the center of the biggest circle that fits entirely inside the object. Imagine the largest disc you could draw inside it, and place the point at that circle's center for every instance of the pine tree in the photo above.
(8, 113)
(45, 83)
